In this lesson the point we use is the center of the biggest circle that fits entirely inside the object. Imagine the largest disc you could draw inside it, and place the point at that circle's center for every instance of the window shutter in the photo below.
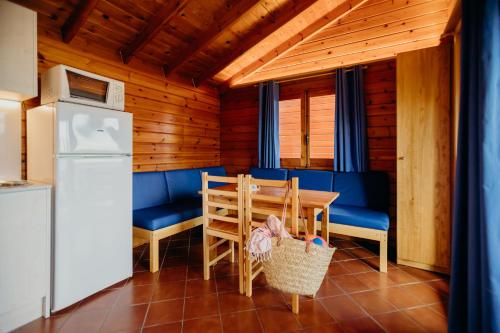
(321, 124)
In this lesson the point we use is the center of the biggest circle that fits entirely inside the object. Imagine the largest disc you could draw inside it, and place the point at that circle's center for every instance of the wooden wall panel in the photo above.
(239, 124)
(174, 124)
(424, 204)
(239, 129)
(380, 100)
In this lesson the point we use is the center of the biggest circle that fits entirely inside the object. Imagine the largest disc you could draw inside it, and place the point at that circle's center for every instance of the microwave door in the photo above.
(82, 129)
(87, 88)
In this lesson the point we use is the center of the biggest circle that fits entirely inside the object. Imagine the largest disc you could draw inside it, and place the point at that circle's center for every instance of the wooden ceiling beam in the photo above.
(299, 6)
(153, 27)
(230, 15)
(77, 19)
(306, 34)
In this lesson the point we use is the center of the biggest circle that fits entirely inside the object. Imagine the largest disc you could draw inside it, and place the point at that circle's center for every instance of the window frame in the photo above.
(305, 161)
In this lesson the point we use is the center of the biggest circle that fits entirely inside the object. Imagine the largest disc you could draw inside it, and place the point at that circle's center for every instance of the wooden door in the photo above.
(423, 166)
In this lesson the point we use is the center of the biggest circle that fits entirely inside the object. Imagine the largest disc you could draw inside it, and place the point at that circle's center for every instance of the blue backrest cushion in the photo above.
(183, 184)
(268, 173)
(378, 189)
(149, 189)
(214, 171)
(352, 189)
(362, 189)
(313, 179)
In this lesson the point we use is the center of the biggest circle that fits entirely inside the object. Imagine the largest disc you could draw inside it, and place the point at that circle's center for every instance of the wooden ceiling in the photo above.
(239, 42)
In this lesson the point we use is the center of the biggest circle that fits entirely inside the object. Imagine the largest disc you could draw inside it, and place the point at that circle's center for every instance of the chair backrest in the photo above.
(229, 198)
(269, 199)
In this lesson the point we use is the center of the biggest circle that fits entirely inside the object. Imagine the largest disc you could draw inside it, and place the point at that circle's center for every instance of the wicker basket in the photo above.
(293, 270)
(295, 266)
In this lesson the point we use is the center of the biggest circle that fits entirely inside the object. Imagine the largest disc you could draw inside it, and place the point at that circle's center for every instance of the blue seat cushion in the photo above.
(313, 179)
(359, 217)
(214, 171)
(364, 189)
(268, 173)
(159, 217)
(183, 184)
(149, 189)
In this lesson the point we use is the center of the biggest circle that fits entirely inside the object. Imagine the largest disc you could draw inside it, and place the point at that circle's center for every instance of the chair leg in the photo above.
(383, 253)
(248, 274)
(154, 252)
(241, 263)
(231, 246)
(206, 257)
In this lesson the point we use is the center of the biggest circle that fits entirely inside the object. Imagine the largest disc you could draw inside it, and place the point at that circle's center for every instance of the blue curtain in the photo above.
(475, 269)
(350, 144)
(269, 141)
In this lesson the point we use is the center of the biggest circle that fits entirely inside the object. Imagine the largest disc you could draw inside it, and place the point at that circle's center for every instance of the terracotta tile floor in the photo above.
(354, 297)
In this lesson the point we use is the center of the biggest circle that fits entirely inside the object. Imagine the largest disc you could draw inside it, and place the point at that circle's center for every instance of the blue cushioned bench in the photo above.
(166, 203)
(362, 207)
(271, 174)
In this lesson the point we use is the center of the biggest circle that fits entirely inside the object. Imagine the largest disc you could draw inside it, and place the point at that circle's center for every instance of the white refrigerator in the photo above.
(85, 152)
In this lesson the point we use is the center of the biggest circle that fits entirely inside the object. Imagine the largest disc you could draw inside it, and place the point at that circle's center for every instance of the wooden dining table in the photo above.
(313, 202)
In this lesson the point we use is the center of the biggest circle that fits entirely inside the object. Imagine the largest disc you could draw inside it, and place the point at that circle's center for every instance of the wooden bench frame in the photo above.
(142, 236)
(380, 236)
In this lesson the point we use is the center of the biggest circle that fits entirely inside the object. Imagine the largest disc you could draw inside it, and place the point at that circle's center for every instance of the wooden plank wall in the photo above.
(239, 129)
(380, 99)
(239, 125)
(175, 125)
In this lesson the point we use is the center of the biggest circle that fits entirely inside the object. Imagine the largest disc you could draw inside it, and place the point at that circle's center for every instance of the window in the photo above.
(307, 113)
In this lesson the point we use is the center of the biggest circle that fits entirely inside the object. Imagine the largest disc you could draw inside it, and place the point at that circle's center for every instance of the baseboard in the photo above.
(427, 267)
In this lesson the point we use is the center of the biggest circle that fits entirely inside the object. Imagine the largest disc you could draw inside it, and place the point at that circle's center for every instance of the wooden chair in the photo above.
(223, 217)
(262, 203)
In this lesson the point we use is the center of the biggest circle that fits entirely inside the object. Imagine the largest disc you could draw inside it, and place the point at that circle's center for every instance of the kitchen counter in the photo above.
(30, 186)
(25, 245)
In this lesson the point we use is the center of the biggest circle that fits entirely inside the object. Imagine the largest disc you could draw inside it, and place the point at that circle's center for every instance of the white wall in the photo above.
(10, 139)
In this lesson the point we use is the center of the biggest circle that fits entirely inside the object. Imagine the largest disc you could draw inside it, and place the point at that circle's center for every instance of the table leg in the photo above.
(295, 303)
(311, 219)
(325, 224)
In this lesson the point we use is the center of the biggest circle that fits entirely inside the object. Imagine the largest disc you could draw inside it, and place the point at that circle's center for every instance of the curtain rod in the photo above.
(348, 69)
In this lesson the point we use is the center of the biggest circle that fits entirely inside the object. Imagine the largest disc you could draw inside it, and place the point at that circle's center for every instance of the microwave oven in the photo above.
(68, 84)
